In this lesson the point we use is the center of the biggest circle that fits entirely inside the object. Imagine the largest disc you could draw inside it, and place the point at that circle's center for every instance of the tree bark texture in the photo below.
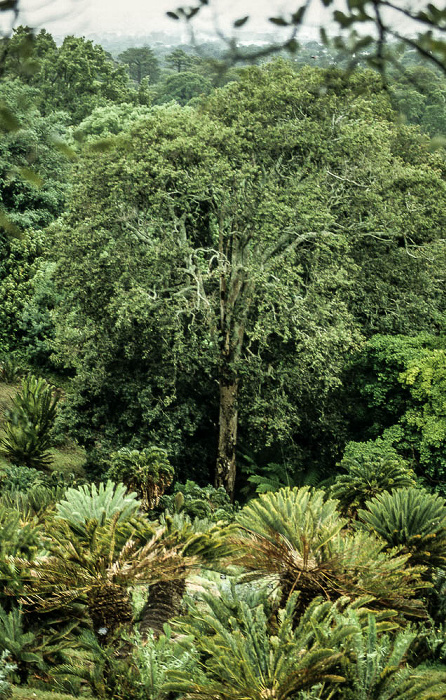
(164, 602)
(227, 439)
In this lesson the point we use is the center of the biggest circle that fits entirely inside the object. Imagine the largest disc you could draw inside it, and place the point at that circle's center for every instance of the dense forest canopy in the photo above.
(222, 364)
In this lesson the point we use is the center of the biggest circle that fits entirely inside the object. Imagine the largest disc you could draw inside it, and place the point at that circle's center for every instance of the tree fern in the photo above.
(412, 518)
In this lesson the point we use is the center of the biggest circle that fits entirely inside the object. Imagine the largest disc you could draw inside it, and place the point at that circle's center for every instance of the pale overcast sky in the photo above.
(142, 16)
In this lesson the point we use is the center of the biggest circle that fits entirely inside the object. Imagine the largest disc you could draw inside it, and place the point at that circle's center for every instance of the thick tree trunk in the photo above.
(227, 439)
(164, 602)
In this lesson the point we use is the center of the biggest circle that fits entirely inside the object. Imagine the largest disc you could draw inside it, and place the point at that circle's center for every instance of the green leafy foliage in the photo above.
(401, 387)
(6, 669)
(14, 478)
(75, 77)
(101, 667)
(10, 369)
(197, 501)
(158, 656)
(379, 665)
(142, 63)
(18, 538)
(182, 87)
(413, 519)
(29, 423)
(148, 471)
(20, 644)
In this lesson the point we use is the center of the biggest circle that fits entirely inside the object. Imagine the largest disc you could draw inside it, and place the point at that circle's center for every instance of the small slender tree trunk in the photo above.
(227, 439)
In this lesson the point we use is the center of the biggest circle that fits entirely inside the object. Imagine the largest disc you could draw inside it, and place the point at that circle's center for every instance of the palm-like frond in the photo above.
(413, 519)
(98, 563)
(247, 660)
(298, 540)
(378, 669)
(368, 478)
(89, 502)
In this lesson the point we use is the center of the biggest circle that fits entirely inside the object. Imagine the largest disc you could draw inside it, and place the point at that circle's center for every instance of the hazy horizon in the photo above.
(139, 17)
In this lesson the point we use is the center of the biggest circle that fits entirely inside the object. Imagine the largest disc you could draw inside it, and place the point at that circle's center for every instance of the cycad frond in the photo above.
(89, 502)
(246, 659)
(378, 668)
(298, 540)
(413, 519)
(367, 478)
(97, 565)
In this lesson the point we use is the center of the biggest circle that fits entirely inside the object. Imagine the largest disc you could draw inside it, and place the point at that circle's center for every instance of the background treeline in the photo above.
(315, 196)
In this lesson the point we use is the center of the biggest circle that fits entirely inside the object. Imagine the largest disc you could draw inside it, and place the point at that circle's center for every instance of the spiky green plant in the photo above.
(413, 519)
(156, 656)
(19, 643)
(95, 565)
(244, 658)
(366, 478)
(17, 539)
(10, 369)
(148, 471)
(297, 538)
(203, 540)
(107, 673)
(29, 423)
(89, 502)
(378, 667)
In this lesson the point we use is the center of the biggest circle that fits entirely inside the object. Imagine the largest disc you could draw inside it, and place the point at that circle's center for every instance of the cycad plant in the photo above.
(203, 541)
(100, 503)
(297, 539)
(96, 564)
(29, 423)
(378, 667)
(366, 478)
(244, 658)
(147, 471)
(413, 519)
(17, 539)
(19, 644)
(106, 671)
(37, 649)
